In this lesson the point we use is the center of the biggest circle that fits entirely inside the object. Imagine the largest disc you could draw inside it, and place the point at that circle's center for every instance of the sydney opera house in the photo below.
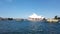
(35, 17)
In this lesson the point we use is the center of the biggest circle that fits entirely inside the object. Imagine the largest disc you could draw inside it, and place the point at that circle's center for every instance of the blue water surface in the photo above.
(28, 27)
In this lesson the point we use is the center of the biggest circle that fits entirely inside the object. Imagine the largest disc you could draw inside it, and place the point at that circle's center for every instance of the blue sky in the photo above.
(24, 8)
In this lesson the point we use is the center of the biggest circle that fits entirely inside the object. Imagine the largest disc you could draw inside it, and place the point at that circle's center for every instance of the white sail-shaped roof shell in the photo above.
(35, 16)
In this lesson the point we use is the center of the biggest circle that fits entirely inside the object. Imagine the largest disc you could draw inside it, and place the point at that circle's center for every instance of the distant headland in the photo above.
(34, 17)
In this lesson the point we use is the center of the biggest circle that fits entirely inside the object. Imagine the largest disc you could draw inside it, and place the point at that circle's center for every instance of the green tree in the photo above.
(56, 17)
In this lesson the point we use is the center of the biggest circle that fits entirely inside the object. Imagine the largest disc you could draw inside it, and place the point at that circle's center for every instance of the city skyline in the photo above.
(24, 8)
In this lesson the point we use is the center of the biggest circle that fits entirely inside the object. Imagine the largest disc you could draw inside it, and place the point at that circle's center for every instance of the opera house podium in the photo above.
(35, 17)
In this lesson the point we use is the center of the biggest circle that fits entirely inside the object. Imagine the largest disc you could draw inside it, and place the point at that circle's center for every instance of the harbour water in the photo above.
(28, 27)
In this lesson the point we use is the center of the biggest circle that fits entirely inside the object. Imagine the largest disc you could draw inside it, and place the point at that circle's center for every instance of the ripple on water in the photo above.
(13, 27)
